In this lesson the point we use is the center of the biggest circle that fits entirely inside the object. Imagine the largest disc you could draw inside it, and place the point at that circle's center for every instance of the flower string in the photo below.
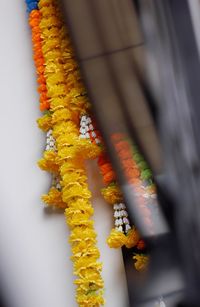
(123, 234)
(65, 158)
(34, 22)
(53, 198)
(137, 173)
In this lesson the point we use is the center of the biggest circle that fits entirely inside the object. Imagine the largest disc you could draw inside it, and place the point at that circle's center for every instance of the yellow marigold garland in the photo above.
(67, 102)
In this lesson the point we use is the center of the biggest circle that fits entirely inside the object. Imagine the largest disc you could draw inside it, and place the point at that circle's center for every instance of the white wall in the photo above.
(35, 268)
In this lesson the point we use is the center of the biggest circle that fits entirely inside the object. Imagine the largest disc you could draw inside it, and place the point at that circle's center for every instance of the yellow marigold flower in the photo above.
(67, 140)
(72, 166)
(116, 239)
(74, 177)
(80, 234)
(61, 115)
(88, 149)
(54, 198)
(132, 238)
(141, 262)
(90, 279)
(76, 191)
(68, 152)
(112, 194)
(80, 219)
(56, 90)
(90, 299)
(85, 249)
(47, 11)
(69, 67)
(44, 122)
(73, 210)
(52, 21)
(49, 45)
(84, 263)
(64, 128)
(53, 80)
(48, 162)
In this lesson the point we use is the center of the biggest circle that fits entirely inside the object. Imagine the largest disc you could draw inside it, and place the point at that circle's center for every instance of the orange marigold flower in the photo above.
(105, 168)
(109, 177)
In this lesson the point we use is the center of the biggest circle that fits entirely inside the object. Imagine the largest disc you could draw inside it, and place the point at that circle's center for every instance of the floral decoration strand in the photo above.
(138, 173)
(68, 101)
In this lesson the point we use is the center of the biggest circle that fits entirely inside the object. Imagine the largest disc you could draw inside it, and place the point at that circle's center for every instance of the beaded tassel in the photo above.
(121, 218)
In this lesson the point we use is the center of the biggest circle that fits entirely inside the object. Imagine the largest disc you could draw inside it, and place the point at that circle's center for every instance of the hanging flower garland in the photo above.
(65, 153)
(138, 174)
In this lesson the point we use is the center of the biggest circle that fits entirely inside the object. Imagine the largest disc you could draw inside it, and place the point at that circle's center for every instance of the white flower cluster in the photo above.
(87, 129)
(50, 141)
(121, 218)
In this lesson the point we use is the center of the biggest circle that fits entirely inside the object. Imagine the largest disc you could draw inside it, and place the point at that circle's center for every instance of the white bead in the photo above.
(82, 136)
(49, 132)
(120, 229)
(125, 220)
(51, 143)
(121, 213)
(124, 213)
(122, 206)
(116, 214)
(83, 118)
(120, 221)
(87, 135)
(48, 147)
(116, 222)
(88, 120)
(127, 227)
(116, 206)
(85, 128)
(82, 130)
(83, 124)
(58, 186)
